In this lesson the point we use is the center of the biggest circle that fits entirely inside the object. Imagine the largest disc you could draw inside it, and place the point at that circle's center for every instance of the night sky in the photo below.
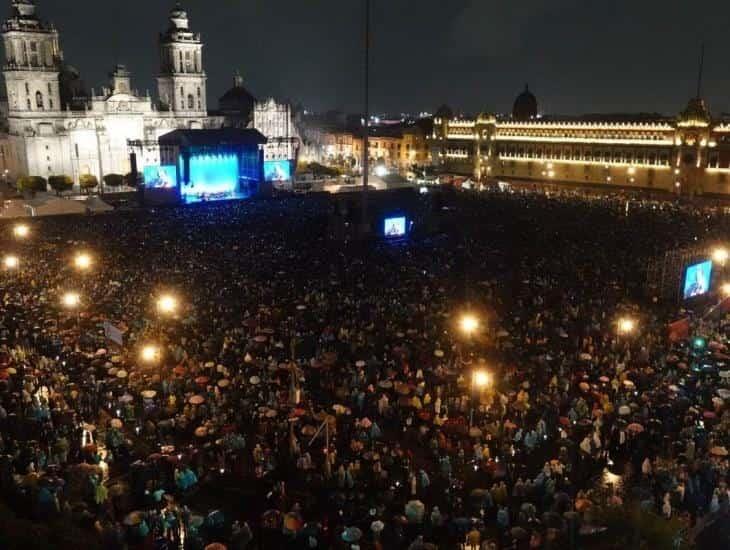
(578, 55)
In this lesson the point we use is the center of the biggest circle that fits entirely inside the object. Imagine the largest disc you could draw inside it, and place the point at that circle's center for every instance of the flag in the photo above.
(113, 334)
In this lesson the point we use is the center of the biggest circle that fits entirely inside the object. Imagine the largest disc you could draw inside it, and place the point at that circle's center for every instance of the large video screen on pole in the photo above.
(277, 170)
(697, 280)
(395, 227)
(160, 177)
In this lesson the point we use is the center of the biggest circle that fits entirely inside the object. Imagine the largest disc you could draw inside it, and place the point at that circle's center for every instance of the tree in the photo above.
(114, 180)
(88, 182)
(61, 184)
(30, 184)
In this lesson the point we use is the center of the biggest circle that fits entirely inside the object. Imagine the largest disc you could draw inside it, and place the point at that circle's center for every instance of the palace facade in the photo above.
(686, 154)
(50, 125)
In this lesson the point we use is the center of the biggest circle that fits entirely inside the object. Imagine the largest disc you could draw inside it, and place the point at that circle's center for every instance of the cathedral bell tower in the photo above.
(182, 81)
(32, 62)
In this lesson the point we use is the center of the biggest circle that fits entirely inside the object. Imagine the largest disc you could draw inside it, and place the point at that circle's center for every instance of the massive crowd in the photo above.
(319, 393)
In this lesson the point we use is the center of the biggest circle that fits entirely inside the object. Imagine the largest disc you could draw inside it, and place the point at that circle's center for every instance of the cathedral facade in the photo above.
(52, 126)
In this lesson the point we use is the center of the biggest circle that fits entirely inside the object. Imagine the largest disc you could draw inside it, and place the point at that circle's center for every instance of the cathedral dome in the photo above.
(238, 99)
(525, 106)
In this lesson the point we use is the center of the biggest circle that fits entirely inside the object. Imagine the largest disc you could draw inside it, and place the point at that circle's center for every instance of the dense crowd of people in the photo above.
(314, 392)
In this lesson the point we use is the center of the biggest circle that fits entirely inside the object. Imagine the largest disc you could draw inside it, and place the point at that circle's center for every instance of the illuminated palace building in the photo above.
(687, 154)
(51, 125)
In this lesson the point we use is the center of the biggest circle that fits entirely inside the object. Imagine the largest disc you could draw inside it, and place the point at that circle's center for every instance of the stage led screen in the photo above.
(697, 279)
(212, 177)
(160, 177)
(395, 227)
(277, 170)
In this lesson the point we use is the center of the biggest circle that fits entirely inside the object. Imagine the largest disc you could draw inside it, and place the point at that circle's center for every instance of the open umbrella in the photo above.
(133, 518)
(635, 427)
(197, 400)
(351, 535)
(718, 451)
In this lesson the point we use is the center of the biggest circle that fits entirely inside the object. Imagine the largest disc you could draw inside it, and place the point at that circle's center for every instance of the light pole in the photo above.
(83, 262)
(167, 305)
(72, 302)
(625, 326)
(366, 134)
(21, 231)
(150, 354)
(725, 290)
(11, 262)
(480, 381)
(468, 325)
(720, 255)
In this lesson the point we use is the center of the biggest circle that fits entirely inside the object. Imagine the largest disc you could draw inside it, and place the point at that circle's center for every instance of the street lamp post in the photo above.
(150, 354)
(626, 326)
(480, 381)
(468, 325)
(11, 262)
(72, 302)
(83, 261)
(167, 305)
(21, 231)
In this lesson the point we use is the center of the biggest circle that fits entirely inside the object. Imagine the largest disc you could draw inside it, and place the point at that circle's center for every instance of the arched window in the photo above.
(27, 101)
(191, 101)
(39, 100)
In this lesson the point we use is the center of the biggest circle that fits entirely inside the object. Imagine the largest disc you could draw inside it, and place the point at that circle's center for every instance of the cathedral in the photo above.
(49, 125)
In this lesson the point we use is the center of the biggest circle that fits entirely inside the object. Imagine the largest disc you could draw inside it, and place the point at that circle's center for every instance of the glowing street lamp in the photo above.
(21, 231)
(83, 261)
(71, 300)
(720, 255)
(725, 290)
(150, 354)
(481, 379)
(626, 325)
(11, 262)
(469, 324)
(167, 304)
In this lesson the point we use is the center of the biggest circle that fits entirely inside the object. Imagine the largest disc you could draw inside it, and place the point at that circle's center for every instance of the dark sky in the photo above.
(578, 55)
